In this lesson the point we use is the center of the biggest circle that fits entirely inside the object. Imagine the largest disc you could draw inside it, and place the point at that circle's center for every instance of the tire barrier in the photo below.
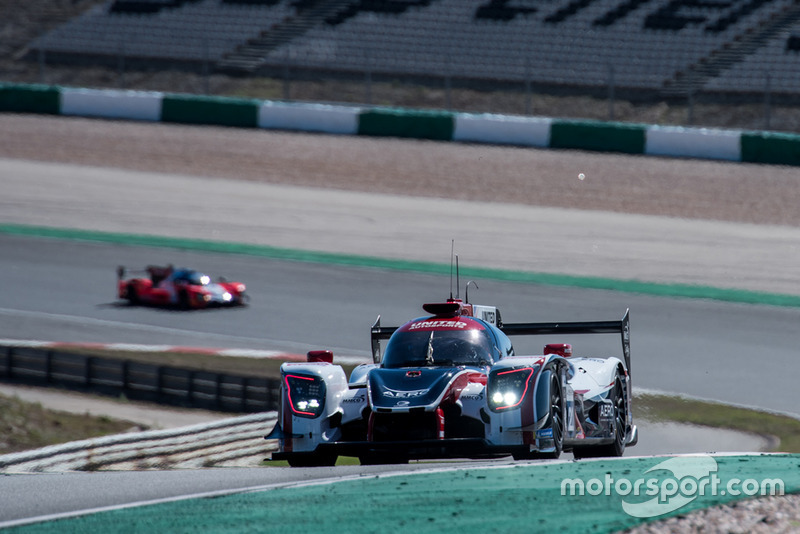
(139, 381)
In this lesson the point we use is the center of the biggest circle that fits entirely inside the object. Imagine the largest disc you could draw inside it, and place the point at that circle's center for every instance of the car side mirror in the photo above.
(325, 356)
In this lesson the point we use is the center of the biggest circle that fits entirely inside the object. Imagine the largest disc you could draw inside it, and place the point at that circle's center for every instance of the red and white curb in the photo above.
(131, 347)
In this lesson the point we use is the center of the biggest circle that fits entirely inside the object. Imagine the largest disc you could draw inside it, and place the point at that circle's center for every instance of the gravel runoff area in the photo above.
(689, 189)
(767, 515)
(677, 188)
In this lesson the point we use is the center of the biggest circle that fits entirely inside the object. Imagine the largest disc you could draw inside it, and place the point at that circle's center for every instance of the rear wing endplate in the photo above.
(378, 332)
(622, 327)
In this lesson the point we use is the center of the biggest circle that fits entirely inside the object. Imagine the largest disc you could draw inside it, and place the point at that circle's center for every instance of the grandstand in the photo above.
(656, 47)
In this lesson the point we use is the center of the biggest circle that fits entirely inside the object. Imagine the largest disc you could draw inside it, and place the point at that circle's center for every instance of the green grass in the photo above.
(26, 425)
(681, 410)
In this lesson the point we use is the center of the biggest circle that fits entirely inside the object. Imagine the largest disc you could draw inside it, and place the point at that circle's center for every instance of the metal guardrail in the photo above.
(239, 441)
(139, 381)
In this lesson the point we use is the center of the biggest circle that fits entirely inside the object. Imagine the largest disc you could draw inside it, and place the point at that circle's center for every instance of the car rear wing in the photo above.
(155, 272)
(622, 327)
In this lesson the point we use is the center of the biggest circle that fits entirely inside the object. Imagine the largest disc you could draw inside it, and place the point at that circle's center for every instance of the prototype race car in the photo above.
(183, 288)
(450, 385)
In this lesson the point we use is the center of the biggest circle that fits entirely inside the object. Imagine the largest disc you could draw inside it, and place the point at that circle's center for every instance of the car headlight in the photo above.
(507, 389)
(306, 395)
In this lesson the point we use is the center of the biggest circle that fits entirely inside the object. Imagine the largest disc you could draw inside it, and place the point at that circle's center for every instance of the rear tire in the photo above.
(619, 400)
(131, 294)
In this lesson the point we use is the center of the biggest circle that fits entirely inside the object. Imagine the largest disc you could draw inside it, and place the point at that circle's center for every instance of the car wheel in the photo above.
(556, 417)
(619, 401)
(183, 300)
(131, 294)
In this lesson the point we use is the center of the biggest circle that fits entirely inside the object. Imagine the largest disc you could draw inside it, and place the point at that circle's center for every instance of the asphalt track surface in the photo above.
(725, 351)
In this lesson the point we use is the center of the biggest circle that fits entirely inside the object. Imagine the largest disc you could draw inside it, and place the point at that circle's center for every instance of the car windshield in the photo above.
(437, 347)
(191, 277)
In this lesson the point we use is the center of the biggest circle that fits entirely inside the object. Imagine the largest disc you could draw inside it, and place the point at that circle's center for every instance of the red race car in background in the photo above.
(182, 288)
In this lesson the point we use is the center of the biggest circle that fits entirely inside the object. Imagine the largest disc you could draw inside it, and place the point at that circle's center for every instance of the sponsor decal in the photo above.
(354, 400)
(394, 394)
(438, 323)
(546, 433)
(478, 397)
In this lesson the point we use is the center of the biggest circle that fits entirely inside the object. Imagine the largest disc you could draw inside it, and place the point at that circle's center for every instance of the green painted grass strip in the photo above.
(521, 498)
(586, 282)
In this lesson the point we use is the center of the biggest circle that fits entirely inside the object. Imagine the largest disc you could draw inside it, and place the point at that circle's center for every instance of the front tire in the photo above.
(183, 300)
(556, 417)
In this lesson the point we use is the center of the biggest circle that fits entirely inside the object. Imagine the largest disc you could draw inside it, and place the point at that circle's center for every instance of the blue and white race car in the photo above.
(450, 385)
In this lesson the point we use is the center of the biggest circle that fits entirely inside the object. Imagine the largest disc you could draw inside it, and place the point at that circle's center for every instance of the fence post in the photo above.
(42, 62)
(368, 77)
(190, 389)
(126, 377)
(48, 367)
(121, 65)
(218, 399)
(286, 88)
(767, 101)
(160, 383)
(10, 362)
(87, 372)
(448, 82)
(611, 96)
(206, 67)
(527, 85)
